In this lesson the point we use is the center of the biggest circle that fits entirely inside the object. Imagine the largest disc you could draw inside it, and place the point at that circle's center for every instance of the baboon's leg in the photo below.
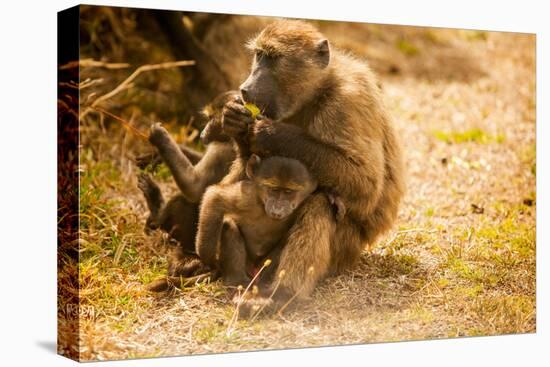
(306, 255)
(179, 218)
(188, 180)
(154, 159)
(191, 181)
(183, 264)
(153, 196)
(233, 255)
(347, 245)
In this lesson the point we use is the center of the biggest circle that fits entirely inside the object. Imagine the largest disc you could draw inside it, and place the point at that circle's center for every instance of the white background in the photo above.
(28, 182)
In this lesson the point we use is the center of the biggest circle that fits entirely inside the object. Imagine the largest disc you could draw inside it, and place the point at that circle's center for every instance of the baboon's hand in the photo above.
(339, 206)
(261, 133)
(187, 268)
(236, 120)
(158, 134)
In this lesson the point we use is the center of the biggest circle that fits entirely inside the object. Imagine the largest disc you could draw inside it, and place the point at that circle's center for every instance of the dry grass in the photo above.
(461, 261)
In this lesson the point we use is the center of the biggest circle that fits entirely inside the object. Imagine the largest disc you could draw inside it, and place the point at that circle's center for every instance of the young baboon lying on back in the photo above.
(240, 223)
(192, 172)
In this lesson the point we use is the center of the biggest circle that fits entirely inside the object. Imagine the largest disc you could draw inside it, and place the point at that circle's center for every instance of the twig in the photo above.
(94, 63)
(265, 265)
(124, 123)
(89, 82)
(240, 299)
(280, 312)
(134, 75)
(279, 279)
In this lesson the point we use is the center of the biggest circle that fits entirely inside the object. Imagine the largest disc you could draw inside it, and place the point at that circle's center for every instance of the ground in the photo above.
(459, 262)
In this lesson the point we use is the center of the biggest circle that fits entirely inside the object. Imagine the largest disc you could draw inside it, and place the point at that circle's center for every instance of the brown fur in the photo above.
(333, 119)
(241, 223)
(193, 173)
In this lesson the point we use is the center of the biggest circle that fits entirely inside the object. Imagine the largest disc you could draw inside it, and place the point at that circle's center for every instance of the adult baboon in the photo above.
(325, 109)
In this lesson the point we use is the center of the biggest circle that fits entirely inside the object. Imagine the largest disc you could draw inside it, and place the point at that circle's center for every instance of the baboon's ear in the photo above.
(314, 182)
(323, 50)
(252, 165)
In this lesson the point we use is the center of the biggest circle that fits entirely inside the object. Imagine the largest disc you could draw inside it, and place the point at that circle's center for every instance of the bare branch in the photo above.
(130, 79)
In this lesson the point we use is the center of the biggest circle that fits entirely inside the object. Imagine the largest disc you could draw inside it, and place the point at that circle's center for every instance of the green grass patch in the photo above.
(113, 263)
(470, 292)
(506, 314)
(435, 37)
(475, 135)
(465, 270)
(512, 235)
(422, 314)
(473, 35)
(493, 255)
(209, 331)
(528, 155)
(407, 47)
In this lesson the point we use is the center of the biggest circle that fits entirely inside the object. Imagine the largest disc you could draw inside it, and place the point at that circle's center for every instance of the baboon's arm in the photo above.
(210, 226)
(355, 179)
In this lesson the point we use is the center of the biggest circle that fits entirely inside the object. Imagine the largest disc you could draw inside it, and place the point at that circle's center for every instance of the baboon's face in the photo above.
(283, 79)
(282, 184)
(279, 202)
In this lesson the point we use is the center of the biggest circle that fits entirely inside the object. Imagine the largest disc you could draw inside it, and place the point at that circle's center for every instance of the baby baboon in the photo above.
(241, 223)
(193, 173)
(324, 108)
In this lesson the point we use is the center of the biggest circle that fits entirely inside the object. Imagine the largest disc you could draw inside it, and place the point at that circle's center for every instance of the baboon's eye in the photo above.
(273, 190)
(263, 56)
(270, 57)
